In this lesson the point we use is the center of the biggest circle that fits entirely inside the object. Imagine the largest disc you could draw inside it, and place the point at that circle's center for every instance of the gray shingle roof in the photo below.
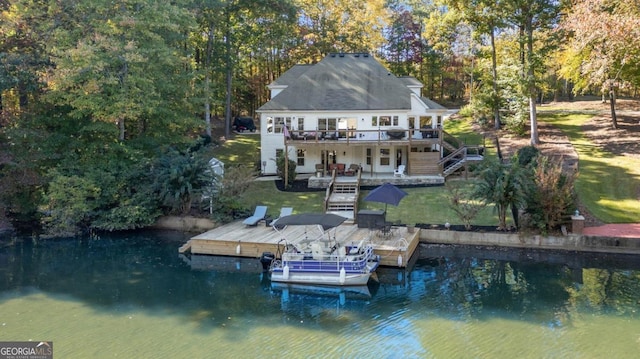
(432, 104)
(341, 82)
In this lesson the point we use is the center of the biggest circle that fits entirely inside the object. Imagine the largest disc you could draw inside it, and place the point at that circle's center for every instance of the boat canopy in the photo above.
(326, 220)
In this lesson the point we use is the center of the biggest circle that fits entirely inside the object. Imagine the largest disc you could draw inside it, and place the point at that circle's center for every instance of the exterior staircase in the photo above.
(342, 197)
(460, 155)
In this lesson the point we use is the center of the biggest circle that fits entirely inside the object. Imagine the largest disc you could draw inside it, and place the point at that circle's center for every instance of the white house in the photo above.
(348, 109)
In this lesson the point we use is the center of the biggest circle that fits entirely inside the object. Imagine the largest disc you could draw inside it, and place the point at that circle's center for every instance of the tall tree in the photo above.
(229, 33)
(340, 26)
(486, 18)
(23, 54)
(122, 63)
(604, 46)
(528, 17)
(405, 45)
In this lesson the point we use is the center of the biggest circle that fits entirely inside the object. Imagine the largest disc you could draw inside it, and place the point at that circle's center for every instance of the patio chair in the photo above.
(352, 170)
(399, 172)
(284, 211)
(258, 215)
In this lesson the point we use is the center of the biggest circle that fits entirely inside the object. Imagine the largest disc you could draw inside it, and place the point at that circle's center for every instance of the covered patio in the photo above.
(376, 179)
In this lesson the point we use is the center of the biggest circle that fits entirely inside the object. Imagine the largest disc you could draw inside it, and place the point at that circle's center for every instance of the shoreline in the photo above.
(570, 242)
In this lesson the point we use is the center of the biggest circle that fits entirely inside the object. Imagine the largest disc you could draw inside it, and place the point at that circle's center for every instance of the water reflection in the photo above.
(451, 295)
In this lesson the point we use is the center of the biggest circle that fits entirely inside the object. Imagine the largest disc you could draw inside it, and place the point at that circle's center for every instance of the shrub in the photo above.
(552, 197)
(225, 199)
(504, 185)
(463, 204)
(291, 170)
(181, 177)
(527, 155)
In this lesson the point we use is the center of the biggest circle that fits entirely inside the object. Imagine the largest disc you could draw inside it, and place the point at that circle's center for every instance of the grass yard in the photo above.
(422, 205)
(266, 193)
(427, 205)
(243, 149)
(608, 184)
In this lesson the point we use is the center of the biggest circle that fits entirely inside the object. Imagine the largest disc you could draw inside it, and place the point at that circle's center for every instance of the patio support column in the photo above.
(286, 164)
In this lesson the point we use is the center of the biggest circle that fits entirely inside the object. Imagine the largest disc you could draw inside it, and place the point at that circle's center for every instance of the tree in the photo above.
(229, 38)
(463, 203)
(23, 55)
(529, 17)
(123, 65)
(503, 185)
(604, 46)
(404, 48)
(485, 17)
(339, 26)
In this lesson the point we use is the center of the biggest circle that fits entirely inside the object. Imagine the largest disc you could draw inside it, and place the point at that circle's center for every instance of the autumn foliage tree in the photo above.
(603, 50)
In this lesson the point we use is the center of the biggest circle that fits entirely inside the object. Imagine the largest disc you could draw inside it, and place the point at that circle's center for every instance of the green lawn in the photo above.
(422, 205)
(608, 185)
(461, 129)
(243, 149)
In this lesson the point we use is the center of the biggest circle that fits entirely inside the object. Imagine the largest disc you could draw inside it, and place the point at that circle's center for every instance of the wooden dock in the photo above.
(237, 240)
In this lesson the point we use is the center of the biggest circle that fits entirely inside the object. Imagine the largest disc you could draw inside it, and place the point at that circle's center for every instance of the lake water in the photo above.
(133, 296)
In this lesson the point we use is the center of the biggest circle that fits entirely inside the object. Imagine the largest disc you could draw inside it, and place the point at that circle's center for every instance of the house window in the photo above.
(269, 125)
(369, 152)
(384, 121)
(426, 122)
(279, 124)
(326, 125)
(412, 122)
(300, 124)
(301, 157)
(385, 156)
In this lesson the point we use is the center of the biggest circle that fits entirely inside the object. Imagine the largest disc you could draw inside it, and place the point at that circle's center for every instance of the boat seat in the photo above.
(316, 251)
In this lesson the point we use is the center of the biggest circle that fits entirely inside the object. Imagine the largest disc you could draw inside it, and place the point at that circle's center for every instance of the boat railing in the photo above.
(330, 260)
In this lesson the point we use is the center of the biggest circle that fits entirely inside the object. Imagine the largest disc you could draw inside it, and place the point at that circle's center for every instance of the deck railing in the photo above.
(353, 136)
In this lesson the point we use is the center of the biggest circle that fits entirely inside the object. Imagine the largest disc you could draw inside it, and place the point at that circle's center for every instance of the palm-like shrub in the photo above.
(504, 185)
(181, 177)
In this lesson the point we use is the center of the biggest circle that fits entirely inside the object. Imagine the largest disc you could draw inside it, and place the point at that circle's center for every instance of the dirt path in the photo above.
(623, 141)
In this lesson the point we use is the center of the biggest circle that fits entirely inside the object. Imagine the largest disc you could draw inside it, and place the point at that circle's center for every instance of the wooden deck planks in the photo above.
(236, 239)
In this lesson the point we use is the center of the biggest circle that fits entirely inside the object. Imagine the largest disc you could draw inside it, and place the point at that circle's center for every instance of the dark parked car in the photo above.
(241, 124)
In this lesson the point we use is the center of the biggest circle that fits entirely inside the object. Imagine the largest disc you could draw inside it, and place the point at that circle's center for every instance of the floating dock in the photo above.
(235, 239)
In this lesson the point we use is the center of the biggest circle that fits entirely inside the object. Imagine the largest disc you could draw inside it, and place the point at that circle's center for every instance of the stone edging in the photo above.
(570, 242)
(184, 224)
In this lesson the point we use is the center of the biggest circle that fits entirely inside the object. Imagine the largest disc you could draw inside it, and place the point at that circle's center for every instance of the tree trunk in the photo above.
(533, 116)
(121, 128)
(207, 83)
(227, 113)
(494, 70)
(612, 104)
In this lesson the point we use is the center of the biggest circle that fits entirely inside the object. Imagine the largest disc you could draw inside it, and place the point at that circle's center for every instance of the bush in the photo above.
(552, 197)
(462, 202)
(291, 170)
(180, 178)
(225, 203)
(527, 155)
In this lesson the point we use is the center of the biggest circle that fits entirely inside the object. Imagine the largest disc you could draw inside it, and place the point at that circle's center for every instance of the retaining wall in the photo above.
(571, 242)
(184, 224)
